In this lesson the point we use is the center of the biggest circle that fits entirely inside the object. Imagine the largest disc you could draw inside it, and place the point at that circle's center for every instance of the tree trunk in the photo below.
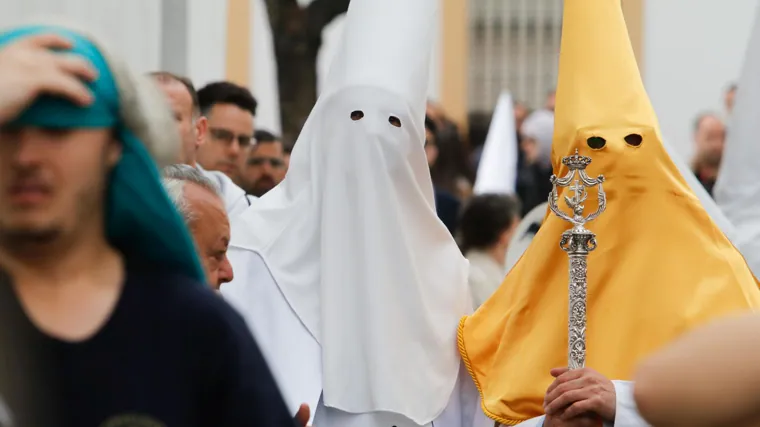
(297, 35)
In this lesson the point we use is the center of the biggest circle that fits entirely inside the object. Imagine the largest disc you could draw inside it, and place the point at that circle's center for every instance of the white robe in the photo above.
(295, 356)
(295, 359)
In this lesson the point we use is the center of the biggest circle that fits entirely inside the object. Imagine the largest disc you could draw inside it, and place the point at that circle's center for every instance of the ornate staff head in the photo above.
(577, 242)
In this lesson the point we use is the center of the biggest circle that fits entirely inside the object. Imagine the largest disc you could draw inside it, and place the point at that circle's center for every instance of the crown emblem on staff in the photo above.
(576, 161)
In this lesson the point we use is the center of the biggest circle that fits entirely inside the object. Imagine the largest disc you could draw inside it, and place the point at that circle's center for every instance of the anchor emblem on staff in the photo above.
(577, 242)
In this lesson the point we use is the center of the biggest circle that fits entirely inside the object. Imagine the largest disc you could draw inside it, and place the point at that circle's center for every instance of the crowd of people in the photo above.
(165, 262)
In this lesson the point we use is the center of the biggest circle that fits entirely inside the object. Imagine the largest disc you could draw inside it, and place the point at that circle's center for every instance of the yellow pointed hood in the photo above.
(662, 266)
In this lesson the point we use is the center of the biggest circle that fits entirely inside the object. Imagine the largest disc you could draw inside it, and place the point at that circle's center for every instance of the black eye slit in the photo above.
(596, 142)
(634, 140)
(395, 121)
(357, 115)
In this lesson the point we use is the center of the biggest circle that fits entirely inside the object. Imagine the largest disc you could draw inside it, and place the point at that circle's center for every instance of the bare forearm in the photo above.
(709, 377)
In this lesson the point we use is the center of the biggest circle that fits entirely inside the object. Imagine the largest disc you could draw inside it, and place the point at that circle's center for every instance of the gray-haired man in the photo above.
(198, 200)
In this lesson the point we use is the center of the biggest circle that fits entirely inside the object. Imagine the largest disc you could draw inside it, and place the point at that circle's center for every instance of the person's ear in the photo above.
(201, 127)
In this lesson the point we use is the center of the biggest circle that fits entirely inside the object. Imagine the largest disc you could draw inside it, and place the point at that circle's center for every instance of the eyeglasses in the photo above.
(228, 137)
(273, 161)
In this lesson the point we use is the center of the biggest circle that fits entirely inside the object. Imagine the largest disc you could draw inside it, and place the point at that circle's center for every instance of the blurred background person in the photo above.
(534, 167)
(486, 227)
(264, 165)
(230, 110)
(550, 100)
(728, 99)
(447, 204)
(451, 171)
(521, 113)
(183, 101)
(198, 201)
(709, 140)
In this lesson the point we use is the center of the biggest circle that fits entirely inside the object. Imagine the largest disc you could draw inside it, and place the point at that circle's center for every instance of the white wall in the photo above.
(131, 28)
(134, 29)
(692, 50)
(206, 41)
(264, 70)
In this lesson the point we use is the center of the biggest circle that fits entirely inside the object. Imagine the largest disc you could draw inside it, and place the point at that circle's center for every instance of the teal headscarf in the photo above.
(141, 221)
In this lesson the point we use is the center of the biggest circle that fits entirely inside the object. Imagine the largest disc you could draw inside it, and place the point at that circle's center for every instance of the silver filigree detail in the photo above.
(577, 242)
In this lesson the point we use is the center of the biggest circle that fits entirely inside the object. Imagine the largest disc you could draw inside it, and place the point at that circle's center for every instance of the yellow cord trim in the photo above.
(468, 365)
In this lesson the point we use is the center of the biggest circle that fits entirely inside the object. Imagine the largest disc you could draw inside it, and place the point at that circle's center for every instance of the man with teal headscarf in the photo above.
(105, 320)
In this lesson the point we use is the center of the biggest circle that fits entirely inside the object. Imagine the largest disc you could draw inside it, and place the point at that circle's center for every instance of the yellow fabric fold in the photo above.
(662, 267)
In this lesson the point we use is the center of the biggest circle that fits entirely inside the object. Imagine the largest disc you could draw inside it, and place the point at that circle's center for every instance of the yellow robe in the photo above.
(661, 267)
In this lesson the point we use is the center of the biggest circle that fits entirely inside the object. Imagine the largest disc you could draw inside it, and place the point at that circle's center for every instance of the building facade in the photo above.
(688, 50)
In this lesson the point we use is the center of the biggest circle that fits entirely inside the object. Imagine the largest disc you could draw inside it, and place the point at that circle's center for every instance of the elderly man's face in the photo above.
(211, 231)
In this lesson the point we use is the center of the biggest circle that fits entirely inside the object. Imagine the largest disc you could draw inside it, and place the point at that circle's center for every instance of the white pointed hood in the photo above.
(497, 171)
(387, 45)
(351, 235)
(737, 189)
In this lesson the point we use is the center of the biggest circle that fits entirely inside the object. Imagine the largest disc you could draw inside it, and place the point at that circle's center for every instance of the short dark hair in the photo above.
(731, 87)
(226, 93)
(263, 137)
(484, 218)
(163, 76)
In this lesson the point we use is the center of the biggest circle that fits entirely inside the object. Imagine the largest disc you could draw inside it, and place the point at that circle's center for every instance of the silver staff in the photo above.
(577, 242)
